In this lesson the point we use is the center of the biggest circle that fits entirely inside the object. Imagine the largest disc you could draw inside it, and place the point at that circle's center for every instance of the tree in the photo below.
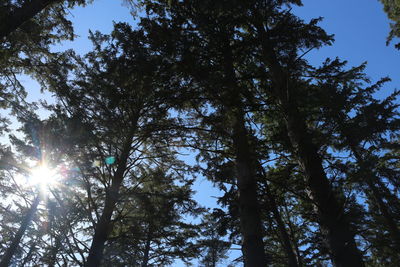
(213, 248)
(392, 9)
(220, 88)
(278, 51)
(102, 100)
(6, 258)
(27, 30)
(284, 86)
(364, 134)
(306, 158)
(148, 228)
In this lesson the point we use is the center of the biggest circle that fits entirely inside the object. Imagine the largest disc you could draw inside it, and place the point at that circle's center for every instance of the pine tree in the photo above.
(213, 248)
(364, 133)
(211, 38)
(125, 121)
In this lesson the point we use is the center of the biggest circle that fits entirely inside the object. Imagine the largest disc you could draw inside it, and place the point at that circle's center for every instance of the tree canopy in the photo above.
(305, 157)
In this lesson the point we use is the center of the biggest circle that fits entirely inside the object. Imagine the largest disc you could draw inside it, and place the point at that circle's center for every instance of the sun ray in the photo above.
(43, 176)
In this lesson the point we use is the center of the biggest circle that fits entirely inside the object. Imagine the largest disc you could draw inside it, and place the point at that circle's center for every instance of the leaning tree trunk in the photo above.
(293, 235)
(17, 238)
(28, 256)
(102, 228)
(332, 219)
(285, 239)
(249, 211)
(333, 222)
(30, 8)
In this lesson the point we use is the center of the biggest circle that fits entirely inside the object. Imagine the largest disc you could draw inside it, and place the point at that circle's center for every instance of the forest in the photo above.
(305, 157)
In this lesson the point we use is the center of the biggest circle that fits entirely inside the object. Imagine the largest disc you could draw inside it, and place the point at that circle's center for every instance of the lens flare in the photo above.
(43, 176)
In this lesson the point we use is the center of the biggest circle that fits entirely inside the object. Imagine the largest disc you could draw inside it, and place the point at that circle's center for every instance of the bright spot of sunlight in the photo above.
(43, 176)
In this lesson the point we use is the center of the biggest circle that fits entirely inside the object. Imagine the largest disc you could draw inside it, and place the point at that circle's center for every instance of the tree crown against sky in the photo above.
(392, 9)
(304, 158)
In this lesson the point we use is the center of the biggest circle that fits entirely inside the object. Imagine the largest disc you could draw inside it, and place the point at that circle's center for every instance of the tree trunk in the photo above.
(147, 249)
(285, 239)
(250, 221)
(102, 228)
(28, 256)
(293, 235)
(332, 219)
(333, 222)
(30, 8)
(17, 238)
(370, 180)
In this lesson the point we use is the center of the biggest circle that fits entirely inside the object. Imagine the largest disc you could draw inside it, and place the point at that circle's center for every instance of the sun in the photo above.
(43, 176)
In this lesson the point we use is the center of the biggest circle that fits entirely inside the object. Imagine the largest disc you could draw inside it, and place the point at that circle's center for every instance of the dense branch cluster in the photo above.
(306, 158)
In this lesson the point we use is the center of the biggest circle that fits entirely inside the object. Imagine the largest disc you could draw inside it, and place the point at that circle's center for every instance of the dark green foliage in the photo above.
(306, 158)
(392, 9)
(213, 248)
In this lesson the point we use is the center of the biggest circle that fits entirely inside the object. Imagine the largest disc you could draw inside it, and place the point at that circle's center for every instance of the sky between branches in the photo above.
(360, 28)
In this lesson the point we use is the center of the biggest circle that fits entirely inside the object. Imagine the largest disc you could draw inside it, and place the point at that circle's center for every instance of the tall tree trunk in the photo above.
(249, 211)
(102, 228)
(285, 239)
(28, 256)
(333, 222)
(384, 209)
(147, 247)
(292, 234)
(30, 8)
(250, 219)
(17, 238)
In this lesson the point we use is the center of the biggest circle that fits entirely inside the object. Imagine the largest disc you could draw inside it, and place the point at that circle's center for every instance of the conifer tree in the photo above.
(392, 9)
(117, 99)
(211, 37)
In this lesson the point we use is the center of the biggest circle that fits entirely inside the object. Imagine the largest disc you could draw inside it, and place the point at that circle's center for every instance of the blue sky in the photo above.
(360, 28)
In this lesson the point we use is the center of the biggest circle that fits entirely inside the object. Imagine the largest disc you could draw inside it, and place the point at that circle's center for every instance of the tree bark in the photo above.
(249, 211)
(332, 219)
(103, 226)
(30, 8)
(370, 180)
(17, 238)
(250, 221)
(333, 222)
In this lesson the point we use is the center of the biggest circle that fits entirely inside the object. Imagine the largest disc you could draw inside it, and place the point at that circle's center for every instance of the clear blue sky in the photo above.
(360, 28)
